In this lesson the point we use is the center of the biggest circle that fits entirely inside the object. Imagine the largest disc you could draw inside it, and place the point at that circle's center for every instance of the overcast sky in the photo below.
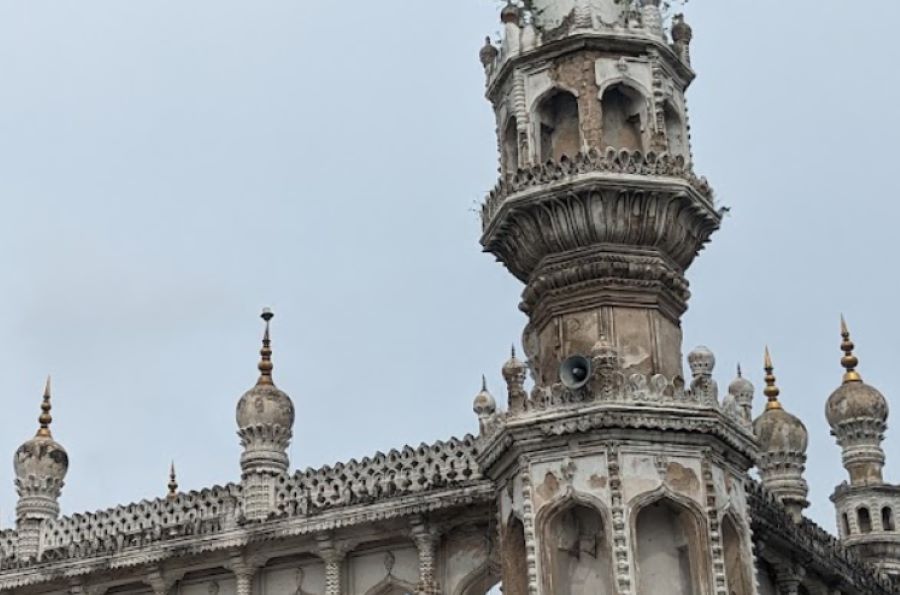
(169, 167)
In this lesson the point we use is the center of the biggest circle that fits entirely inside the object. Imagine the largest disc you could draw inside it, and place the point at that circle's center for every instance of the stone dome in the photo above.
(681, 31)
(510, 14)
(488, 53)
(484, 403)
(740, 386)
(855, 399)
(514, 366)
(265, 405)
(777, 431)
(41, 459)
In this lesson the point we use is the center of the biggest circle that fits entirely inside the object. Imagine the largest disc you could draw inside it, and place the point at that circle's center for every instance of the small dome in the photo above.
(488, 53)
(701, 361)
(741, 387)
(42, 459)
(484, 403)
(265, 404)
(777, 431)
(855, 399)
(514, 366)
(511, 14)
(681, 31)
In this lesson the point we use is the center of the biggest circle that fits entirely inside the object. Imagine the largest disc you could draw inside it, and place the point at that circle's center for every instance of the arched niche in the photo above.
(887, 519)
(670, 556)
(845, 523)
(513, 558)
(576, 551)
(864, 520)
(510, 147)
(624, 113)
(736, 558)
(559, 126)
(676, 131)
(392, 587)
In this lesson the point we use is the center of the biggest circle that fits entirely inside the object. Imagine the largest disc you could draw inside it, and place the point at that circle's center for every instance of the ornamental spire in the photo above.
(771, 391)
(173, 483)
(848, 361)
(45, 419)
(265, 362)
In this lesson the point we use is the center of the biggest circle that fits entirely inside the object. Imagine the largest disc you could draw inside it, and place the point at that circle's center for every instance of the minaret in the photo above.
(868, 508)
(40, 465)
(598, 211)
(173, 483)
(783, 440)
(265, 419)
(610, 456)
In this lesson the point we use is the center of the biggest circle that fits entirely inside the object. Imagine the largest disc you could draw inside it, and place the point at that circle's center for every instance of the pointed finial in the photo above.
(265, 362)
(740, 374)
(771, 391)
(512, 351)
(483, 383)
(45, 418)
(849, 361)
(173, 483)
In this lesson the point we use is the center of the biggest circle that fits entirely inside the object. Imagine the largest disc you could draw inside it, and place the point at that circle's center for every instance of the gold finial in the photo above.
(173, 483)
(849, 361)
(45, 418)
(771, 391)
(265, 362)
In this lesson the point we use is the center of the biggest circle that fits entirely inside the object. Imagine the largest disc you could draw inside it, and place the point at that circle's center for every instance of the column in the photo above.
(426, 540)
(244, 571)
(333, 557)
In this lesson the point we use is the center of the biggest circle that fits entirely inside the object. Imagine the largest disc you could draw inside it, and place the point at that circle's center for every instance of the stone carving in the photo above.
(612, 162)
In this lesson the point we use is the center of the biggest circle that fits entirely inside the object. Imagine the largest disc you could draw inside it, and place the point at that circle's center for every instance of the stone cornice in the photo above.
(609, 40)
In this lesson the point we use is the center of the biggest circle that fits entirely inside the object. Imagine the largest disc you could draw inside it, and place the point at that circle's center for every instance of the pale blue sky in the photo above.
(167, 168)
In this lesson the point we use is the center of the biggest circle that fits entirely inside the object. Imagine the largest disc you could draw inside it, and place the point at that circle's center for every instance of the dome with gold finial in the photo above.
(264, 404)
(854, 399)
(41, 463)
(776, 430)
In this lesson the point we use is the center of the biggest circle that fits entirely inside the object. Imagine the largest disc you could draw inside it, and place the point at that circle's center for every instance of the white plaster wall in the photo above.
(367, 570)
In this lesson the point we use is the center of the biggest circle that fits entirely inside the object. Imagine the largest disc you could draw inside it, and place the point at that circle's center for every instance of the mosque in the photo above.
(604, 471)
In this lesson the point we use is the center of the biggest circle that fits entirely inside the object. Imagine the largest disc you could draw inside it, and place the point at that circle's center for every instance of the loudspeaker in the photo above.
(575, 371)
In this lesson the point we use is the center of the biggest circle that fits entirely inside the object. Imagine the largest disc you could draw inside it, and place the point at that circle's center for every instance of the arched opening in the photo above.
(577, 553)
(735, 566)
(510, 147)
(668, 557)
(560, 128)
(623, 118)
(513, 560)
(676, 132)
(887, 519)
(845, 521)
(483, 581)
(864, 520)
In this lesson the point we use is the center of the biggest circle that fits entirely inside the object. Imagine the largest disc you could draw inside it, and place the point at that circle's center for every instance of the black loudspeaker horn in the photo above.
(575, 371)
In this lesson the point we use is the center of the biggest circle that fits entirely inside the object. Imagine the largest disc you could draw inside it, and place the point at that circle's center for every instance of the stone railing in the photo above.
(811, 542)
(395, 474)
(613, 161)
(209, 511)
(137, 525)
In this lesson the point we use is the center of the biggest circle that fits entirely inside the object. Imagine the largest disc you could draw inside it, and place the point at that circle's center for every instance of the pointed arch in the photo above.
(510, 147)
(558, 124)
(513, 557)
(391, 585)
(736, 557)
(480, 581)
(676, 130)
(669, 535)
(624, 115)
(576, 546)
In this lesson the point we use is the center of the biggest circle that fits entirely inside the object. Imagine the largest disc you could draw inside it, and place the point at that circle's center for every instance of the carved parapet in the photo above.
(612, 162)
